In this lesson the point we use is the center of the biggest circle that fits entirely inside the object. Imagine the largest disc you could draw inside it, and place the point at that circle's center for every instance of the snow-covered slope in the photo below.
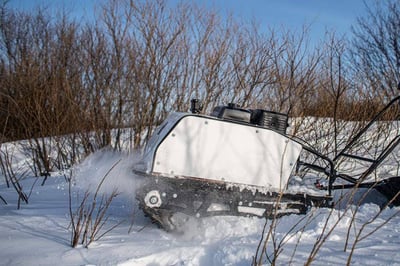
(39, 233)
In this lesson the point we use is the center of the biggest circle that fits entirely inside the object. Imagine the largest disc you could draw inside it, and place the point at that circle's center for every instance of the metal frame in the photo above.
(331, 172)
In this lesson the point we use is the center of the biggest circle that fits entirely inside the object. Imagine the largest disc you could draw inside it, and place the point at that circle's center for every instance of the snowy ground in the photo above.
(39, 233)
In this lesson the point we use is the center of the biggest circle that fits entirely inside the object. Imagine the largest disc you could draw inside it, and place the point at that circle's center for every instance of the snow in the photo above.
(39, 233)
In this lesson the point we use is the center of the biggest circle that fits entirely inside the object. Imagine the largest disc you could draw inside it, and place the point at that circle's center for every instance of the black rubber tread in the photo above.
(194, 197)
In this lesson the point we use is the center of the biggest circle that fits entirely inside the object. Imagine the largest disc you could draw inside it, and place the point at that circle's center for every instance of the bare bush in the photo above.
(374, 222)
(375, 49)
(90, 216)
(12, 175)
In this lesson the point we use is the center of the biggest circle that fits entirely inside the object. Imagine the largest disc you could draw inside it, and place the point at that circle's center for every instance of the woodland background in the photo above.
(89, 85)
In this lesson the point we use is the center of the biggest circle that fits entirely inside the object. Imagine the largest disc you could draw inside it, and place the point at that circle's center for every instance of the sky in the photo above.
(320, 15)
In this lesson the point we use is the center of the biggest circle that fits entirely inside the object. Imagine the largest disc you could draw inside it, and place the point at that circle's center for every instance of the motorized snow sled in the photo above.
(241, 162)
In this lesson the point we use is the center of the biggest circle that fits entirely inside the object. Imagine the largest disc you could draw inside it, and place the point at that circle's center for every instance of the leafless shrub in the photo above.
(272, 244)
(360, 233)
(90, 216)
(12, 175)
(374, 49)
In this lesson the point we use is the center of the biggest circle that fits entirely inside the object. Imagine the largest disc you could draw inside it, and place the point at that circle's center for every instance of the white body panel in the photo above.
(209, 148)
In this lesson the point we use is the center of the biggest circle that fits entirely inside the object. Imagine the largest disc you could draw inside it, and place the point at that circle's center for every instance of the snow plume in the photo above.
(114, 167)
